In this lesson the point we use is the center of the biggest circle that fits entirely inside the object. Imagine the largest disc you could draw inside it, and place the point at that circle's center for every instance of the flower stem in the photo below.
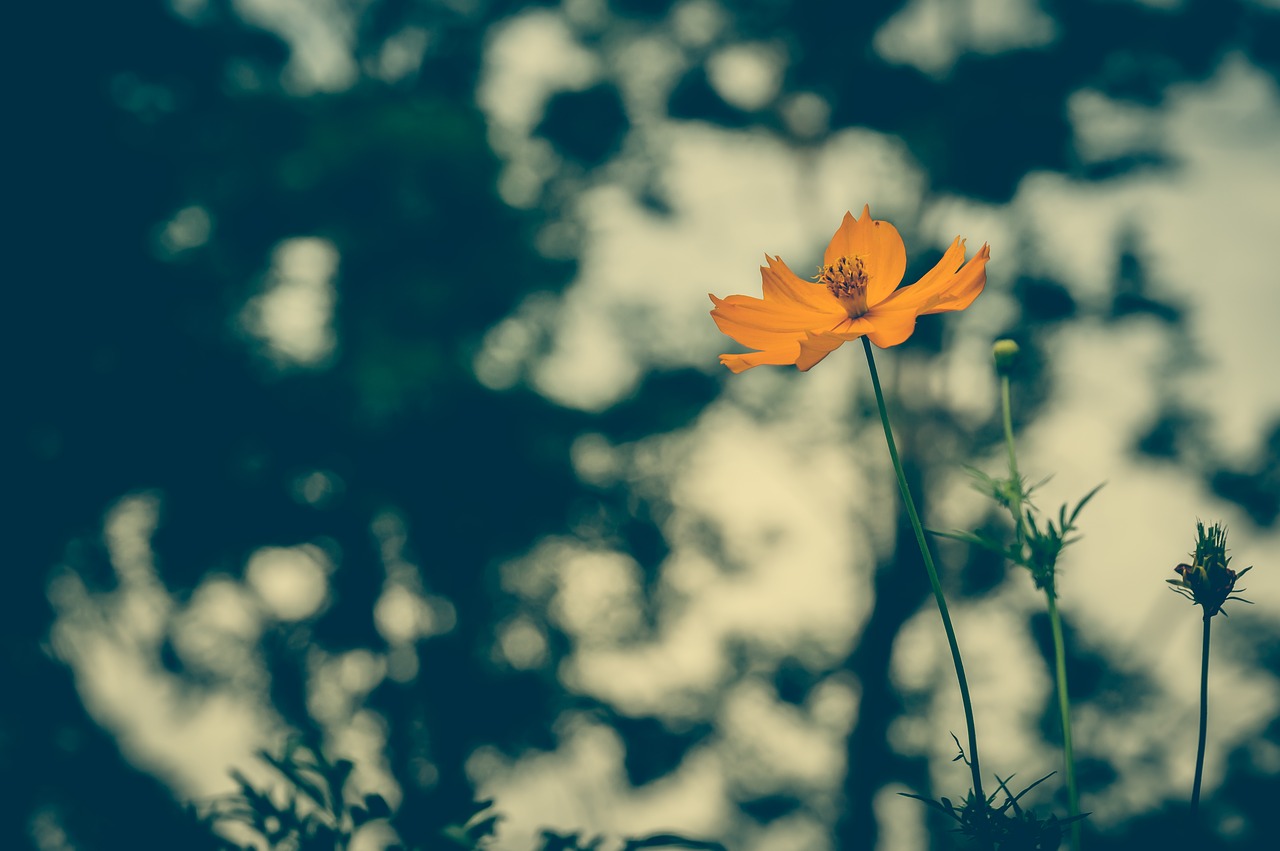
(933, 574)
(1204, 716)
(1064, 712)
(1055, 621)
(1013, 455)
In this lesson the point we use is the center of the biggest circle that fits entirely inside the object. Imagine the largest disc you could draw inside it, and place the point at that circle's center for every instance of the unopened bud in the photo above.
(1006, 354)
(1208, 581)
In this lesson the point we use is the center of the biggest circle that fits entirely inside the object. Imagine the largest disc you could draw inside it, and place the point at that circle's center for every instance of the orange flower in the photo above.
(856, 293)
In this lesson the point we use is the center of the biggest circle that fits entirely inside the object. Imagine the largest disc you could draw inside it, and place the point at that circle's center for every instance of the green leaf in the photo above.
(1090, 495)
(947, 810)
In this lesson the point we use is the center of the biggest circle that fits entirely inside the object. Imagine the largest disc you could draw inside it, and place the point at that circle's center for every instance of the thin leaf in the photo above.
(1085, 501)
(932, 803)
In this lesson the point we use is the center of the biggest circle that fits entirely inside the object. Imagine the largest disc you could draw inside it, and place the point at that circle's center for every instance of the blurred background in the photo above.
(361, 385)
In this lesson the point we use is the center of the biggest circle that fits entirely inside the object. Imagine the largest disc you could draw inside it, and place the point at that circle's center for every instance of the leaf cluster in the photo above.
(1035, 546)
(314, 814)
(1007, 827)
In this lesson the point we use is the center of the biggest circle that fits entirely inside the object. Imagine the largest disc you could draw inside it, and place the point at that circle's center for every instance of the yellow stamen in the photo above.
(847, 281)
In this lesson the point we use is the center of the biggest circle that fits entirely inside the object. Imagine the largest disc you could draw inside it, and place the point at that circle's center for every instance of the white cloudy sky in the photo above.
(774, 464)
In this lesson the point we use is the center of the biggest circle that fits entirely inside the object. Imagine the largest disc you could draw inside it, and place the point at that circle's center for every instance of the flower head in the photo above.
(854, 293)
(1006, 353)
(1208, 581)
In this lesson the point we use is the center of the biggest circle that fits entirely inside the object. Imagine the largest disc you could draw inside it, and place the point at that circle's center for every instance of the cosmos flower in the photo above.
(855, 293)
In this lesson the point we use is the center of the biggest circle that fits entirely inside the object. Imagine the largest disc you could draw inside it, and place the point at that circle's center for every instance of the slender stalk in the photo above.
(1013, 455)
(933, 574)
(1204, 716)
(1055, 622)
(1064, 712)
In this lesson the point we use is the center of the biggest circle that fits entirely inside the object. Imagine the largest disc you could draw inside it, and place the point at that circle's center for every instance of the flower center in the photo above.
(846, 279)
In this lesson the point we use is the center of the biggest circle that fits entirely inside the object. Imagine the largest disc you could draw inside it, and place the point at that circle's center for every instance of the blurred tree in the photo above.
(130, 368)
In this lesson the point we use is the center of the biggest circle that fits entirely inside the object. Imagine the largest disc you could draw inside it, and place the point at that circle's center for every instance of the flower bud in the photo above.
(1006, 355)
(1208, 581)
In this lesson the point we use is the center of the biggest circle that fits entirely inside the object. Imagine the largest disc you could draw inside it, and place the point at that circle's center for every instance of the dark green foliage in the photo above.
(1007, 827)
(127, 369)
(552, 841)
(1034, 547)
(315, 811)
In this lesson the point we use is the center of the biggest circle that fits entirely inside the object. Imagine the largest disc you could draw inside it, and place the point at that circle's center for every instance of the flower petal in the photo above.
(753, 328)
(941, 290)
(890, 327)
(880, 248)
(945, 267)
(966, 286)
(782, 285)
(815, 347)
(771, 317)
(883, 327)
(790, 308)
(778, 357)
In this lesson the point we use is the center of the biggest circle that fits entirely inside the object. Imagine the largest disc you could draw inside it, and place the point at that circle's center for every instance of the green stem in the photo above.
(933, 574)
(1064, 712)
(1055, 621)
(1013, 455)
(1204, 716)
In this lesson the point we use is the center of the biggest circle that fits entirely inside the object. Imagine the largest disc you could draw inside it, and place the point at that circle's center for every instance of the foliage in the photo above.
(1034, 546)
(129, 370)
(315, 812)
(1007, 827)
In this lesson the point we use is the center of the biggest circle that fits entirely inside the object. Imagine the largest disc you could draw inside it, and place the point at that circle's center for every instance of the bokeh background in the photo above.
(361, 384)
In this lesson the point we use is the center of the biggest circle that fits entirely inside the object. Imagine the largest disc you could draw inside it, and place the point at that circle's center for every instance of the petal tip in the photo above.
(735, 363)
